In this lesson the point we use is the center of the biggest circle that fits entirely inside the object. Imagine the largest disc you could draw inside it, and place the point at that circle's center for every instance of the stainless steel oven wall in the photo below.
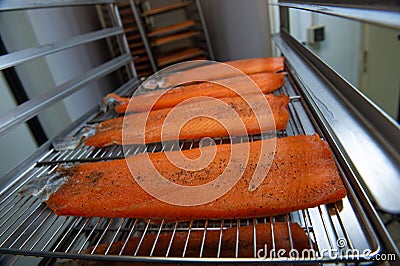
(365, 135)
(361, 43)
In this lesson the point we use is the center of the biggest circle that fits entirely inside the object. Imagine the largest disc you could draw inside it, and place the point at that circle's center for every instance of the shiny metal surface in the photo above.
(19, 57)
(204, 27)
(33, 107)
(29, 227)
(143, 35)
(364, 133)
(367, 157)
(29, 109)
(29, 4)
(387, 18)
(122, 41)
(370, 4)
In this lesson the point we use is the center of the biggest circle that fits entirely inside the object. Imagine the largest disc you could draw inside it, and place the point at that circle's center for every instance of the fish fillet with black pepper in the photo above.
(208, 118)
(266, 82)
(303, 174)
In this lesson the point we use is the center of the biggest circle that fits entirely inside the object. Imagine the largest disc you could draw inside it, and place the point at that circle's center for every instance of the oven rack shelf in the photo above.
(30, 228)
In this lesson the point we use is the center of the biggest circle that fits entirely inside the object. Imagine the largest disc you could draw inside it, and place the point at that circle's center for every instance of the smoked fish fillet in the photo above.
(263, 235)
(215, 71)
(255, 117)
(267, 82)
(303, 174)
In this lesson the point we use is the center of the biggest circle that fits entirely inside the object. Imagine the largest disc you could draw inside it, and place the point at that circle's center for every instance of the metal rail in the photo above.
(363, 143)
(29, 109)
(205, 30)
(28, 4)
(122, 41)
(343, 110)
(143, 35)
(388, 18)
(19, 57)
(370, 4)
(33, 107)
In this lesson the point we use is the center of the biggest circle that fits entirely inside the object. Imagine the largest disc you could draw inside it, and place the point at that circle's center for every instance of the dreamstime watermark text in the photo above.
(334, 254)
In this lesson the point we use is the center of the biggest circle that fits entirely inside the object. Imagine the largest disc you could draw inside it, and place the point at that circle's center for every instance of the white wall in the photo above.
(238, 29)
(341, 47)
(380, 75)
(18, 34)
(24, 29)
(75, 61)
(19, 143)
(367, 56)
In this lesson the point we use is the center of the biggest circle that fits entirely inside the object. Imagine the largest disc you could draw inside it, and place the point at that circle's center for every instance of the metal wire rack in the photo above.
(28, 227)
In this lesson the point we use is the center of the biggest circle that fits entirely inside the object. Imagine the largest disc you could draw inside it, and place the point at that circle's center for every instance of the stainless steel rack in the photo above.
(29, 228)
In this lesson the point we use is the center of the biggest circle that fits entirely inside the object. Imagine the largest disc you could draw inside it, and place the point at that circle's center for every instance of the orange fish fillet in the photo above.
(303, 174)
(215, 71)
(211, 245)
(255, 117)
(267, 82)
